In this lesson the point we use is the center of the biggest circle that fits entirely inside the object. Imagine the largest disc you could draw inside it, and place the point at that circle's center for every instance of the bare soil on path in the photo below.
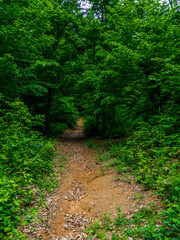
(86, 192)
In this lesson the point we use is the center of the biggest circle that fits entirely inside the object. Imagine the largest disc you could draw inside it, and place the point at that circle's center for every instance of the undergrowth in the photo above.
(26, 168)
(151, 155)
(143, 224)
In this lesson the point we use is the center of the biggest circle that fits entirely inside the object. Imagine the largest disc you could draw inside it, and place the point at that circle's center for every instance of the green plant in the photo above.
(121, 219)
(115, 237)
(90, 143)
(26, 168)
(93, 228)
(151, 155)
(106, 222)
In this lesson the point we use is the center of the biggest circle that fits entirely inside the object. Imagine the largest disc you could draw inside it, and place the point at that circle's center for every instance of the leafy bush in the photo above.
(25, 164)
(64, 115)
(146, 223)
(152, 155)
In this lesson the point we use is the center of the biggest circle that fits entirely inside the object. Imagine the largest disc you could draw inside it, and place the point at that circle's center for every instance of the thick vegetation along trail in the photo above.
(86, 191)
(116, 63)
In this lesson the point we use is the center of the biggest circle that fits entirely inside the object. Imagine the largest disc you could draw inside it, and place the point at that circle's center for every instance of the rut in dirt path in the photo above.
(86, 192)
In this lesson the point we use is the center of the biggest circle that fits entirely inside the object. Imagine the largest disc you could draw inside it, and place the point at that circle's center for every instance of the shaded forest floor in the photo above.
(87, 190)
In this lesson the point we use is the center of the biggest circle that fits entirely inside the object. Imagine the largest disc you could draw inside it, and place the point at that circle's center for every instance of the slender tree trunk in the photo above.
(97, 123)
(48, 107)
(104, 120)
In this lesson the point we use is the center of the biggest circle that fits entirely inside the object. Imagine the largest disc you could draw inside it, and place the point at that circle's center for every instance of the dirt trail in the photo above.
(86, 192)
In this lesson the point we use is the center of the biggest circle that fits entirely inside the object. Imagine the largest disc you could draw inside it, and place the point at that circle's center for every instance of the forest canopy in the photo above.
(115, 63)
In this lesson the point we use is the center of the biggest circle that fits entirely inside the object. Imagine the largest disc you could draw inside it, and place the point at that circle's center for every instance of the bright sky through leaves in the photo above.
(85, 5)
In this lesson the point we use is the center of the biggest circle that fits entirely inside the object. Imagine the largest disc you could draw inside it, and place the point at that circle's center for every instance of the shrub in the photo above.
(25, 164)
(152, 155)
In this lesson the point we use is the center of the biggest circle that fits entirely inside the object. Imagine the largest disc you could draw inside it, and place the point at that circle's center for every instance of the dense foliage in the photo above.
(133, 69)
(117, 65)
(152, 155)
(25, 166)
(38, 58)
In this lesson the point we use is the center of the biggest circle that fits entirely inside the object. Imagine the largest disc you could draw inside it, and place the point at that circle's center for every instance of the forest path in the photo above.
(86, 191)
